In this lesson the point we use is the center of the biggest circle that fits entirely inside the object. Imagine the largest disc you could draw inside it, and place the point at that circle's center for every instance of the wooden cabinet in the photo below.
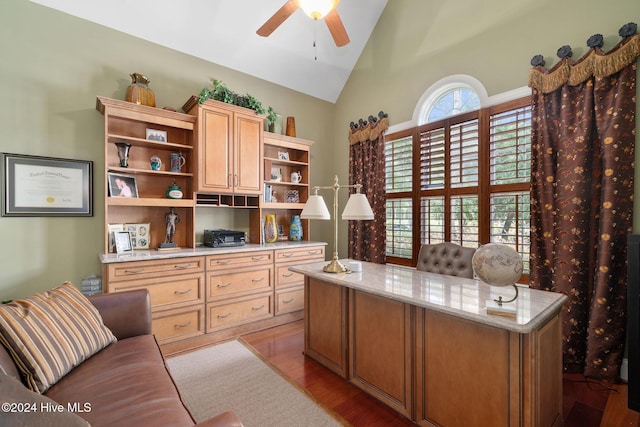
(283, 155)
(289, 285)
(176, 289)
(229, 148)
(380, 326)
(239, 289)
(128, 123)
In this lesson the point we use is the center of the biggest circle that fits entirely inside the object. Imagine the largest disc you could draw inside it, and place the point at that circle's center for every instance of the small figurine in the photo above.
(171, 218)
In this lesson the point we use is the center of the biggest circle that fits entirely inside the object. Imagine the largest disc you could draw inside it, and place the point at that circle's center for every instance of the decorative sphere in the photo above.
(497, 264)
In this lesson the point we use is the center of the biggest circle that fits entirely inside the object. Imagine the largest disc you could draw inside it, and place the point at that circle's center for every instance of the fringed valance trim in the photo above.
(594, 63)
(368, 130)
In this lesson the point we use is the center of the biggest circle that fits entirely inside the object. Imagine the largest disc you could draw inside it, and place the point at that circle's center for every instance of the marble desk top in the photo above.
(456, 296)
(151, 254)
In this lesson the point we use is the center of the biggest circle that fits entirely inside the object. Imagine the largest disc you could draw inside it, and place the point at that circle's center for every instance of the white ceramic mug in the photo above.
(296, 177)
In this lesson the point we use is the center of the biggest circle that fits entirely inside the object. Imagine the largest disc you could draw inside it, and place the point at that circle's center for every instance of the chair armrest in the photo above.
(126, 314)
(225, 419)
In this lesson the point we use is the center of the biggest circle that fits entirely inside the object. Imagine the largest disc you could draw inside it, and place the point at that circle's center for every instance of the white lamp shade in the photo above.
(357, 208)
(315, 208)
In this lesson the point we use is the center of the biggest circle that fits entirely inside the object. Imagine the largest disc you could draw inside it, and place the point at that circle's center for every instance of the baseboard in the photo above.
(624, 370)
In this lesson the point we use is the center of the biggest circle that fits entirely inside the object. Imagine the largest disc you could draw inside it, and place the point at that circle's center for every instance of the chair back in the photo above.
(446, 258)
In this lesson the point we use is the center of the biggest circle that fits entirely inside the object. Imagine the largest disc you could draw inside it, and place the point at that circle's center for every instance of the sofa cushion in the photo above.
(50, 333)
(127, 383)
(23, 407)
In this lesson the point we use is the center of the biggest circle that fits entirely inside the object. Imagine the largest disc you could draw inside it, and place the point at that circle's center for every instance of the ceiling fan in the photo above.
(315, 9)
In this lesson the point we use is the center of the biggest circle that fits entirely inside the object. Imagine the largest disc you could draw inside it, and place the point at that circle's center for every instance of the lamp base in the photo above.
(500, 309)
(335, 266)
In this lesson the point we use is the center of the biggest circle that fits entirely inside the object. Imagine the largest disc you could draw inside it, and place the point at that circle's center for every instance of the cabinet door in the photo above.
(215, 157)
(248, 154)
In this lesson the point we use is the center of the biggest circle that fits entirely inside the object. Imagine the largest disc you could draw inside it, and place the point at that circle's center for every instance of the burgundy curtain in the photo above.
(582, 196)
(367, 239)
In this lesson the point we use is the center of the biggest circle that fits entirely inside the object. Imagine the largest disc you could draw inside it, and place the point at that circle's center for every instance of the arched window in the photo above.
(451, 103)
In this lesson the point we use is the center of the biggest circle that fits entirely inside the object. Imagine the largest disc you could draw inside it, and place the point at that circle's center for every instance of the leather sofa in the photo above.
(125, 384)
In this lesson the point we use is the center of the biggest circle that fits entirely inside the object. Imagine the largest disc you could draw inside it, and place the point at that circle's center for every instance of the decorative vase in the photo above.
(291, 126)
(295, 229)
(270, 229)
(276, 126)
(138, 91)
(123, 153)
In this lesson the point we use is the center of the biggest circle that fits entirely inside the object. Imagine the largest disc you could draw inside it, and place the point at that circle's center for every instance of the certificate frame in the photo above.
(46, 186)
(123, 241)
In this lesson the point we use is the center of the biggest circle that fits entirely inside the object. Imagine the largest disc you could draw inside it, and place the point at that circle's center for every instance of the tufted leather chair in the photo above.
(446, 258)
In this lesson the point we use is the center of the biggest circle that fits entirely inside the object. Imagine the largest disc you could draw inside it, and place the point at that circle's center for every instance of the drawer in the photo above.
(313, 252)
(157, 268)
(236, 283)
(289, 300)
(173, 325)
(221, 315)
(286, 278)
(169, 291)
(218, 262)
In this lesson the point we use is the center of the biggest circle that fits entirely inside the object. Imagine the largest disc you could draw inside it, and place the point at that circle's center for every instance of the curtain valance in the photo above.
(594, 63)
(368, 130)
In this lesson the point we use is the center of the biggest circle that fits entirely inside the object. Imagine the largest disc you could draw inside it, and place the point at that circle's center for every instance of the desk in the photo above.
(423, 344)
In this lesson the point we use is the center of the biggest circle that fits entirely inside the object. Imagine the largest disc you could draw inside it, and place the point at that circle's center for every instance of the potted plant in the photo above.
(220, 92)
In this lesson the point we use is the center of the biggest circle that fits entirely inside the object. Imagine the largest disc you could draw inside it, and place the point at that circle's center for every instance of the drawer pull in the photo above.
(134, 271)
(287, 255)
(223, 285)
(184, 267)
(287, 274)
(257, 258)
(223, 262)
(317, 251)
(184, 325)
(287, 301)
(257, 280)
(223, 316)
(257, 308)
(183, 292)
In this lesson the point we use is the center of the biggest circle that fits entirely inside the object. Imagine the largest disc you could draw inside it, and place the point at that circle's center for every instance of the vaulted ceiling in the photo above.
(224, 32)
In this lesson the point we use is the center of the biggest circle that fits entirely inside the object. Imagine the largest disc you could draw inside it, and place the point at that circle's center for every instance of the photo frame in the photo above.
(276, 174)
(156, 135)
(111, 230)
(283, 155)
(139, 235)
(292, 196)
(123, 241)
(122, 185)
(46, 186)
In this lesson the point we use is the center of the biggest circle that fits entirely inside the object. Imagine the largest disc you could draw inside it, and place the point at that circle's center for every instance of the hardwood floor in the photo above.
(585, 404)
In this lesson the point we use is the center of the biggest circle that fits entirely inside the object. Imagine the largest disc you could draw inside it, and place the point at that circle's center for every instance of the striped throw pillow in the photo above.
(50, 333)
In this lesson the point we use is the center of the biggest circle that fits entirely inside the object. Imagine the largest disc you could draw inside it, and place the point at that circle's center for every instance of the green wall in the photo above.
(54, 65)
(417, 43)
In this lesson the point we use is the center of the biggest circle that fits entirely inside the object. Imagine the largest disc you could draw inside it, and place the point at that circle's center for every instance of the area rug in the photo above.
(230, 376)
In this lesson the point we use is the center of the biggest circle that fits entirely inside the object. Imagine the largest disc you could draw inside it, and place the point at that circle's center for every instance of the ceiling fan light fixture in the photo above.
(317, 9)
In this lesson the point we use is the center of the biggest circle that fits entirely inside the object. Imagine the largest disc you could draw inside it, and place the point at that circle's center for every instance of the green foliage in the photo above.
(220, 92)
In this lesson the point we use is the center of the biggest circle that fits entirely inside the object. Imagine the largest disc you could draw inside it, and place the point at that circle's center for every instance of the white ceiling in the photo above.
(224, 32)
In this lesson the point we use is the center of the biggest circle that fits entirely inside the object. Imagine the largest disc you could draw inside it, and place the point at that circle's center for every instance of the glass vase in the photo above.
(295, 229)
(270, 229)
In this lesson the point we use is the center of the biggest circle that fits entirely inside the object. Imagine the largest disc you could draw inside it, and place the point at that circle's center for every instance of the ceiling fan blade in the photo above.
(336, 27)
(278, 18)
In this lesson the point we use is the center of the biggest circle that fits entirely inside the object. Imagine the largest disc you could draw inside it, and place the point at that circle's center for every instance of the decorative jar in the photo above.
(138, 91)
(270, 229)
(295, 229)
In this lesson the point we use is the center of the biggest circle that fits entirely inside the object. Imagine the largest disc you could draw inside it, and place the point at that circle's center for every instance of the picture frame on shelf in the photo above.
(283, 155)
(122, 185)
(111, 230)
(139, 235)
(292, 196)
(276, 174)
(156, 135)
(123, 242)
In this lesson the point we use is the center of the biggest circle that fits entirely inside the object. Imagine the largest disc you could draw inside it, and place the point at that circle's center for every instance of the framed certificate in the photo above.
(123, 241)
(46, 186)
